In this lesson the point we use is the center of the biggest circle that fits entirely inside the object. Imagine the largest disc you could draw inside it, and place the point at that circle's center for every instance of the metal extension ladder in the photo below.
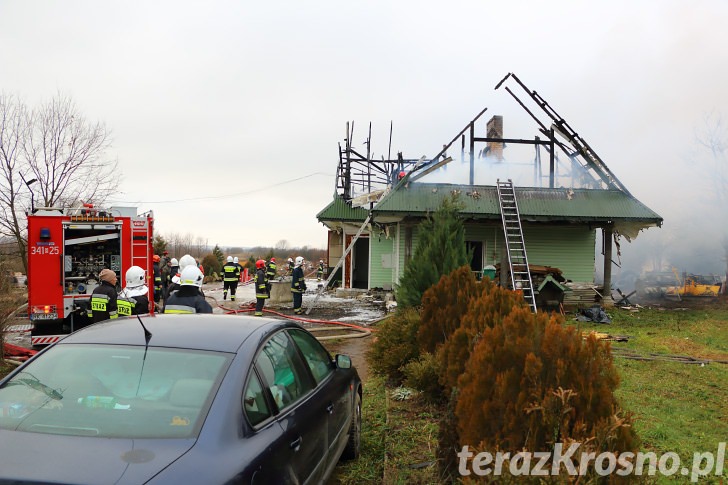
(515, 246)
(323, 287)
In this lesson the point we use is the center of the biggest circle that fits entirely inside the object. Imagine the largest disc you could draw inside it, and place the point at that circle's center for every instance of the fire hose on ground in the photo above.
(358, 330)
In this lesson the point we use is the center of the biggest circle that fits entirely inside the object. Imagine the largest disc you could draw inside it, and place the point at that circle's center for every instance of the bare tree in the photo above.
(55, 149)
(14, 197)
(282, 245)
(67, 155)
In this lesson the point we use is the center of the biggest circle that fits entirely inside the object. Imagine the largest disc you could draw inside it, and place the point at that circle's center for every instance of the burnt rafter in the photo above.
(359, 173)
(580, 150)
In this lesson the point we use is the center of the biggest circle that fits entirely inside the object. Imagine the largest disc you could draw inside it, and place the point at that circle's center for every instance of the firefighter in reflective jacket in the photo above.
(157, 279)
(320, 271)
(239, 266)
(188, 298)
(261, 287)
(298, 286)
(133, 299)
(230, 278)
(271, 270)
(103, 298)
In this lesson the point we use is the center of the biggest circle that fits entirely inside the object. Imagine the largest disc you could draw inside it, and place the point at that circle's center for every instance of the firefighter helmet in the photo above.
(134, 277)
(299, 260)
(229, 259)
(272, 260)
(235, 260)
(174, 262)
(191, 276)
(290, 260)
(185, 261)
(260, 264)
(156, 258)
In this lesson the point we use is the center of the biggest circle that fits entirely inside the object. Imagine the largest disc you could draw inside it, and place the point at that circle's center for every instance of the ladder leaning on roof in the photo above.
(323, 287)
(515, 246)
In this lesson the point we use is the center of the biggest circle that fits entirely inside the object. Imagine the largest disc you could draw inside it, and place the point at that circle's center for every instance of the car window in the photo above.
(281, 368)
(254, 403)
(316, 356)
(113, 391)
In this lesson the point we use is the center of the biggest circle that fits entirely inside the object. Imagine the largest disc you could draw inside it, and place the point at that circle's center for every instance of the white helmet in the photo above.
(229, 259)
(191, 276)
(290, 260)
(185, 261)
(299, 260)
(174, 262)
(134, 277)
(235, 260)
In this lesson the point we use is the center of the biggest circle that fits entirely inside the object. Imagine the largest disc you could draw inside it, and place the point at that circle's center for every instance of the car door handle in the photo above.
(296, 444)
(330, 408)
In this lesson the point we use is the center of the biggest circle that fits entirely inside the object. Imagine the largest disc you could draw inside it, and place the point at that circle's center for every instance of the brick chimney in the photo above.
(494, 130)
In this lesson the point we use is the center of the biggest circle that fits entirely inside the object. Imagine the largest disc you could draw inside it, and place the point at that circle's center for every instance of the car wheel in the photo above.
(353, 446)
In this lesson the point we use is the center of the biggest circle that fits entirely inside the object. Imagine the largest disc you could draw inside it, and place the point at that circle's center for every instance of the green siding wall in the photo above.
(381, 254)
(569, 248)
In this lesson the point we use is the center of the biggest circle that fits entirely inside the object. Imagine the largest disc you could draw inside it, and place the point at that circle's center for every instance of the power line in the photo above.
(239, 194)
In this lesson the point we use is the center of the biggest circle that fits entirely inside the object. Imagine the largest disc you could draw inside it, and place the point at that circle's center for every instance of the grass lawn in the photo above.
(681, 408)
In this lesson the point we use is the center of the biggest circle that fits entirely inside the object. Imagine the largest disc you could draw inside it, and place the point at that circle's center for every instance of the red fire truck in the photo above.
(67, 249)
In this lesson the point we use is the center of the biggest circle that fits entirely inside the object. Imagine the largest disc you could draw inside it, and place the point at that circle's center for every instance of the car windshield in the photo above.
(113, 391)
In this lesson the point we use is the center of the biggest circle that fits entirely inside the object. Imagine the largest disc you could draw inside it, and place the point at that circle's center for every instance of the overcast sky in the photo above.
(249, 100)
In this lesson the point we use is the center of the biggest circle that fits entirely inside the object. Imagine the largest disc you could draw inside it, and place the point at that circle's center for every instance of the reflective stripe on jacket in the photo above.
(126, 306)
(187, 299)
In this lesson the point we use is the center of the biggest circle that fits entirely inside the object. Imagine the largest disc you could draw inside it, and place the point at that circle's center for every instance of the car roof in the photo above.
(224, 333)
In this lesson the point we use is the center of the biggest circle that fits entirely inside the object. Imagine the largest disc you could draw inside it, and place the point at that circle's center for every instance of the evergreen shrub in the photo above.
(423, 374)
(531, 382)
(395, 344)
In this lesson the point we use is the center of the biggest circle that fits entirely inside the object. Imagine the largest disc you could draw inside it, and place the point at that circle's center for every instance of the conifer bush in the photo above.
(531, 382)
(423, 374)
(440, 250)
(483, 311)
(395, 344)
(444, 304)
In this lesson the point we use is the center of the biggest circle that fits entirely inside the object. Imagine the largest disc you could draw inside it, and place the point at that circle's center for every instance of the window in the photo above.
(254, 403)
(281, 369)
(317, 358)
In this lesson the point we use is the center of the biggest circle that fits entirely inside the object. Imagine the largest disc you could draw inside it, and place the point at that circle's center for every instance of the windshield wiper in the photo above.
(34, 383)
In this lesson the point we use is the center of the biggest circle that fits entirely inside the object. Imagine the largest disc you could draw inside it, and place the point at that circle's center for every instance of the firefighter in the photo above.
(103, 298)
(298, 286)
(320, 271)
(230, 278)
(261, 287)
(270, 272)
(188, 299)
(174, 272)
(184, 262)
(271, 269)
(239, 266)
(133, 299)
(290, 266)
(157, 279)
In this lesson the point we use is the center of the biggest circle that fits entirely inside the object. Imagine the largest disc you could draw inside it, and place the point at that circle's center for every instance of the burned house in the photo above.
(554, 216)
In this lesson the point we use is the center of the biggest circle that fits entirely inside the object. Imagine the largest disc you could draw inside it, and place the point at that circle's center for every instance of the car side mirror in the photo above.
(343, 361)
